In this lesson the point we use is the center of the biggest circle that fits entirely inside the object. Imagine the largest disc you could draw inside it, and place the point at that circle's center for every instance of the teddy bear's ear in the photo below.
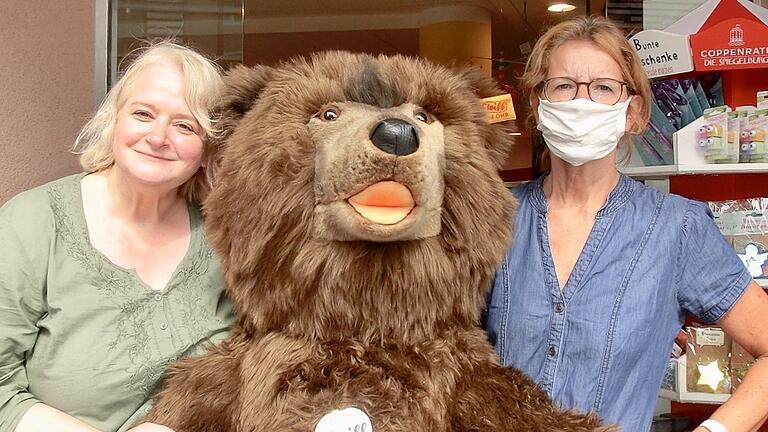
(242, 87)
(497, 137)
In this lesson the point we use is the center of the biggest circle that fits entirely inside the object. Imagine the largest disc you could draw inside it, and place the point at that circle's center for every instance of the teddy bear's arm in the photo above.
(496, 398)
(201, 394)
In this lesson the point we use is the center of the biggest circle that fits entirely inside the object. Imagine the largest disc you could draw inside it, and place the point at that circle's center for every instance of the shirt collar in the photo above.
(618, 196)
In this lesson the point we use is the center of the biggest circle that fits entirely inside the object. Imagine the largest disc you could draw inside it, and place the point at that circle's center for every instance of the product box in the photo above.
(743, 113)
(755, 150)
(762, 99)
(712, 136)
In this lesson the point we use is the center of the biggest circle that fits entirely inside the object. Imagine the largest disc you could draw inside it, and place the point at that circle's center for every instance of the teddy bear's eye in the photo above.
(423, 117)
(330, 114)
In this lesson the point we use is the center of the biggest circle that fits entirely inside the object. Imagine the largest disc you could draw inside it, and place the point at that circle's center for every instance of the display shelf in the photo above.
(689, 160)
(691, 397)
(661, 171)
(734, 168)
(649, 172)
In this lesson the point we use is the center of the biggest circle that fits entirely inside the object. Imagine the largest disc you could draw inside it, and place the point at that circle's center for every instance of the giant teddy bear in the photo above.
(360, 218)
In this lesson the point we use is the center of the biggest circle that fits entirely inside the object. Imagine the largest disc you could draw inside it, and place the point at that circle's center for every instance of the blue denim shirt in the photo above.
(602, 342)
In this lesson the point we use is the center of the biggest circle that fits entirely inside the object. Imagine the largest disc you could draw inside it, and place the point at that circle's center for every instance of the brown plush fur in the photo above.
(375, 317)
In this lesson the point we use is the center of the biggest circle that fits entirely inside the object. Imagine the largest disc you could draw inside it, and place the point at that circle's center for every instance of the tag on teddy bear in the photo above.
(499, 108)
(345, 420)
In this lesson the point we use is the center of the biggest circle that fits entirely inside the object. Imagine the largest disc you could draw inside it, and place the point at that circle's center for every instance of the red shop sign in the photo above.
(735, 43)
(732, 36)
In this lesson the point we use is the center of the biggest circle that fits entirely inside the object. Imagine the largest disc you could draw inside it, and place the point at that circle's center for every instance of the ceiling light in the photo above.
(561, 7)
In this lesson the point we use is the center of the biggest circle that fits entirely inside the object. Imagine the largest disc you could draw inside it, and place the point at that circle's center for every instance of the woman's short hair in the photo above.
(607, 36)
(203, 84)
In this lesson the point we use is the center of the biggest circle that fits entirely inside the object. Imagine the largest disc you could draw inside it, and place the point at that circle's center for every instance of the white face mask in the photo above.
(580, 130)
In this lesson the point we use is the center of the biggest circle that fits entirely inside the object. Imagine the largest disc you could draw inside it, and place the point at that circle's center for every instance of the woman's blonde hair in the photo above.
(608, 37)
(202, 82)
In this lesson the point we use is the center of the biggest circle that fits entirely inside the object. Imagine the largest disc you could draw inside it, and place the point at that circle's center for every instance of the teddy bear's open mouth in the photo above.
(385, 203)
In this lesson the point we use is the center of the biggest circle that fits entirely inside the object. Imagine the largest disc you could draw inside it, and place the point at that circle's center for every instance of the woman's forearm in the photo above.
(42, 418)
(747, 407)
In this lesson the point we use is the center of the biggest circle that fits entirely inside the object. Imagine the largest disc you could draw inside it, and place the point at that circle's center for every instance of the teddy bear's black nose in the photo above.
(395, 136)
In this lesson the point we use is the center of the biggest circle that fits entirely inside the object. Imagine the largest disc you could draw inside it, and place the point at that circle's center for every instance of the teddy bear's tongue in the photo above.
(385, 203)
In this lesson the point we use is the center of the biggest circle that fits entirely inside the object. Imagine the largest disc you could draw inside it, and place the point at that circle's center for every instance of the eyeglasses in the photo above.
(606, 91)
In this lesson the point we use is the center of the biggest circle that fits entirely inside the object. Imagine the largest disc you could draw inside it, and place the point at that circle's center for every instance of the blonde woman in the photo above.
(106, 276)
(603, 270)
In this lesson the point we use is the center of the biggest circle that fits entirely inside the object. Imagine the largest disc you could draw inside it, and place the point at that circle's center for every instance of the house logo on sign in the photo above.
(736, 36)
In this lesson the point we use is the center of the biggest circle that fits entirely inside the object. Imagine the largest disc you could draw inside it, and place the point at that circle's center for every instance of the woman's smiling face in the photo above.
(157, 141)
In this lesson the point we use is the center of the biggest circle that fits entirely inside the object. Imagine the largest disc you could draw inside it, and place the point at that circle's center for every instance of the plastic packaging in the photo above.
(755, 149)
(708, 360)
(744, 224)
(712, 136)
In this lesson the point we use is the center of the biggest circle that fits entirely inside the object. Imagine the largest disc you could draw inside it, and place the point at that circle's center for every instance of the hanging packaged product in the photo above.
(755, 149)
(744, 224)
(708, 358)
(707, 369)
(712, 136)
(672, 101)
(686, 85)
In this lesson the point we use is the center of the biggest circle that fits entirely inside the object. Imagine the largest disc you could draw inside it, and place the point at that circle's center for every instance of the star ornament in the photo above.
(710, 375)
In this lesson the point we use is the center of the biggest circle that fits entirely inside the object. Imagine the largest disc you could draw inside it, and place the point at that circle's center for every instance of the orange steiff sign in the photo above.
(499, 108)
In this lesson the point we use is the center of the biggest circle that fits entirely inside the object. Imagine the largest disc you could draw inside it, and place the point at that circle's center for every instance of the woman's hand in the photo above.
(150, 427)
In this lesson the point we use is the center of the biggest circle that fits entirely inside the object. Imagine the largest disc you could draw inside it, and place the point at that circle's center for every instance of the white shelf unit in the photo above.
(689, 159)
(662, 171)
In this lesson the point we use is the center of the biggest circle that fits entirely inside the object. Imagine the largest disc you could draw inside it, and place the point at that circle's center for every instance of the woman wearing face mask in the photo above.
(603, 270)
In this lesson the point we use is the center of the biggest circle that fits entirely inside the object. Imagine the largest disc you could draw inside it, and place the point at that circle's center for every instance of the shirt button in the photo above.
(552, 351)
(158, 297)
(163, 326)
(559, 307)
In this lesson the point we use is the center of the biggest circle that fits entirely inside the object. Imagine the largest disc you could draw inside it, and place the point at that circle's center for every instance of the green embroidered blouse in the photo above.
(83, 335)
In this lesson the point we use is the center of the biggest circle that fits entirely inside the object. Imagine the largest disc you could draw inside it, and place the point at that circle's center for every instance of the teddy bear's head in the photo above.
(359, 195)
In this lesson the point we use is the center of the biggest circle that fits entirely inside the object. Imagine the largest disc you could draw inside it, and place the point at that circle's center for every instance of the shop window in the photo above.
(495, 35)
(215, 27)
(636, 15)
